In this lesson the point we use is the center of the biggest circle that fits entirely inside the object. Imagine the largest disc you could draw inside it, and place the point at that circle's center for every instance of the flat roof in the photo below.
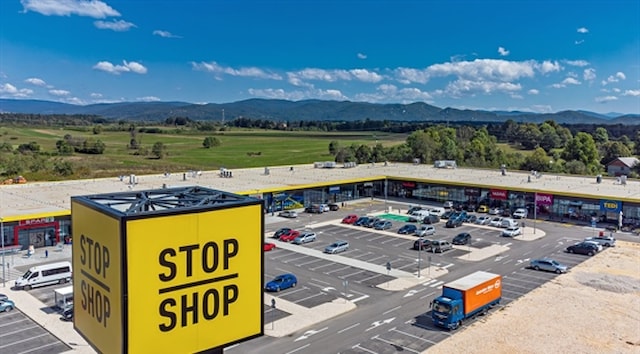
(42, 199)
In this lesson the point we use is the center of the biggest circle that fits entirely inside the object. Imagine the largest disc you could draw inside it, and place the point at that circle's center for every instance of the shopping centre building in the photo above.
(39, 213)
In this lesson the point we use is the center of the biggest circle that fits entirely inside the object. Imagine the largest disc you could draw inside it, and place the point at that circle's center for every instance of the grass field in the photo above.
(238, 148)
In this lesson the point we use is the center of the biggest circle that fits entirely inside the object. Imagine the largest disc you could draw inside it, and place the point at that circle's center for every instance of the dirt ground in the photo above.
(594, 308)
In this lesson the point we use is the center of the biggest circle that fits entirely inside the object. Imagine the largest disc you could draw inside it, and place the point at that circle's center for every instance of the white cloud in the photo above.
(8, 89)
(614, 78)
(278, 94)
(570, 81)
(118, 26)
(541, 108)
(548, 66)
(366, 75)
(410, 75)
(589, 74)
(488, 69)
(533, 92)
(36, 81)
(148, 99)
(558, 85)
(582, 30)
(605, 99)
(59, 93)
(213, 67)
(165, 34)
(465, 87)
(91, 8)
(579, 42)
(579, 63)
(95, 95)
(117, 69)
(635, 93)
(362, 56)
(503, 52)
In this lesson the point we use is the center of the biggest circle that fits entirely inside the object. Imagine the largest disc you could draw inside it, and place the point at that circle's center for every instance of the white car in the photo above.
(483, 220)
(606, 241)
(426, 230)
(512, 231)
(288, 214)
(496, 221)
(520, 213)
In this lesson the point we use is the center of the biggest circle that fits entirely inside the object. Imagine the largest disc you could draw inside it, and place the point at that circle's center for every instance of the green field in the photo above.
(184, 149)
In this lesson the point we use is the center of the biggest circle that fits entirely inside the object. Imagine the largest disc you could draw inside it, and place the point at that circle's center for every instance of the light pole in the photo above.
(4, 269)
(419, 255)
(535, 211)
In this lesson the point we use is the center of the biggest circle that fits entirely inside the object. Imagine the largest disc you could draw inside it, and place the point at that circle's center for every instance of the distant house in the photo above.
(621, 166)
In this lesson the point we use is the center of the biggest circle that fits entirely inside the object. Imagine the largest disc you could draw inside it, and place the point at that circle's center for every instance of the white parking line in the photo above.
(394, 344)
(337, 270)
(436, 284)
(310, 262)
(352, 274)
(369, 278)
(348, 328)
(298, 349)
(357, 346)
(394, 329)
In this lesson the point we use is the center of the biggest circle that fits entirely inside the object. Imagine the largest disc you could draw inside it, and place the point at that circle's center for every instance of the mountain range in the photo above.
(306, 110)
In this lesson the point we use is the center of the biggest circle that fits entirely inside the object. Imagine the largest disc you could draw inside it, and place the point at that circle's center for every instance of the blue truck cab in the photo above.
(465, 298)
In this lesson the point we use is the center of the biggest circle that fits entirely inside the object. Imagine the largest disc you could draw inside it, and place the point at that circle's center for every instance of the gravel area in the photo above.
(594, 308)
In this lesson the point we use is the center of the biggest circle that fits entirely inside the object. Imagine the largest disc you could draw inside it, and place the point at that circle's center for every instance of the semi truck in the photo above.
(466, 297)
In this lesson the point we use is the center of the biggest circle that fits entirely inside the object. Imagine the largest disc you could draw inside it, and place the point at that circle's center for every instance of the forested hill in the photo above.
(307, 110)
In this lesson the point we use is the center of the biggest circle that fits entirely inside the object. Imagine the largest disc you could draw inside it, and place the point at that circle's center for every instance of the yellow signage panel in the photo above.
(194, 280)
(97, 278)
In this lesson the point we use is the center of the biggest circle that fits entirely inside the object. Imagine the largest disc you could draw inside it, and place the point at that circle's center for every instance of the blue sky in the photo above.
(538, 56)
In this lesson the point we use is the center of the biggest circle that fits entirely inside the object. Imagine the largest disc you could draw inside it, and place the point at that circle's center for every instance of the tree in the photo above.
(64, 147)
(333, 147)
(614, 149)
(538, 161)
(159, 150)
(583, 148)
(600, 136)
(97, 129)
(210, 142)
(549, 139)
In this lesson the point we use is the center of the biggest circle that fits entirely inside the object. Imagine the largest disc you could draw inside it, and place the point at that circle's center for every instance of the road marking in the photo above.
(395, 345)
(436, 284)
(298, 349)
(362, 348)
(393, 309)
(428, 282)
(410, 293)
(427, 295)
(411, 335)
(380, 323)
(508, 244)
(309, 333)
(348, 328)
(360, 298)
(448, 266)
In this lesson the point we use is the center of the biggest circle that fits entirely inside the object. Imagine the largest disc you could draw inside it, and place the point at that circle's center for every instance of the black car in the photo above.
(446, 215)
(462, 239)
(408, 229)
(583, 248)
(413, 209)
(454, 222)
(67, 314)
(422, 244)
(281, 232)
(431, 219)
(372, 222)
(334, 206)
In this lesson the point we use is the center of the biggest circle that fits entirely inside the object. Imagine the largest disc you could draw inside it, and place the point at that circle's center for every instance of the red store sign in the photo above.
(499, 194)
(38, 221)
(544, 199)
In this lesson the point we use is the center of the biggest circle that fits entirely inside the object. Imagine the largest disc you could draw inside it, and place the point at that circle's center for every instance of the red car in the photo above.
(289, 235)
(268, 246)
(350, 219)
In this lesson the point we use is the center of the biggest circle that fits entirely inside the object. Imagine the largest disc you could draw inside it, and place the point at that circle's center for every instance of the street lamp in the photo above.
(4, 269)
(535, 211)
(419, 255)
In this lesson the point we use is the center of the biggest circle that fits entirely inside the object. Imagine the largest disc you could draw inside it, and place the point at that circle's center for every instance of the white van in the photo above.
(436, 211)
(46, 274)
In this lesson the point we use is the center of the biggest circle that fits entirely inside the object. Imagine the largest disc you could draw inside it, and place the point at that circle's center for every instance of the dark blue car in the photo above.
(281, 282)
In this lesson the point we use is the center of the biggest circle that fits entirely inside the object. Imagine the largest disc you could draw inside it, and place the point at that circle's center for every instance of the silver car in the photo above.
(337, 247)
(606, 241)
(426, 230)
(548, 265)
(307, 236)
(288, 214)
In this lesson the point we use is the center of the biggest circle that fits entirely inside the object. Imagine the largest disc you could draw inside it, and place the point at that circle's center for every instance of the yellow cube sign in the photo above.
(170, 282)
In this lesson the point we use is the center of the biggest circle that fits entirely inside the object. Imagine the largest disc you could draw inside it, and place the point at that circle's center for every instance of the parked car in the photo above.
(483, 220)
(471, 218)
(462, 238)
(268, 246)
(281, 232)
(350, 219)
(426, 230)
(431, 219)
(383, 225)
(508, 222)
(440, 246)
(496, 221)
(413, 209)
(7, 305)
(453, 222)
(281, 282)
(408, 229)
(3, 297)
(362, 221)
(495, 211)
(334, 206)
(307, 236)
(447, 214)
(482, 209)
(448, 204)
(598, 246)
(337, 247)
(586, 248)
(288, 214)
(422, 244)
(372, 222)
(512, 231)
(548, 265)
(520, 213)
(289, 236)
(315, 209)
(606, 241)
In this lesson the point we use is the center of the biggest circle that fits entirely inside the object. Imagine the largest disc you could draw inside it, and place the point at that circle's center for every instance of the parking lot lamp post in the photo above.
(4, 269)
(419, 255)
(535, 211)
